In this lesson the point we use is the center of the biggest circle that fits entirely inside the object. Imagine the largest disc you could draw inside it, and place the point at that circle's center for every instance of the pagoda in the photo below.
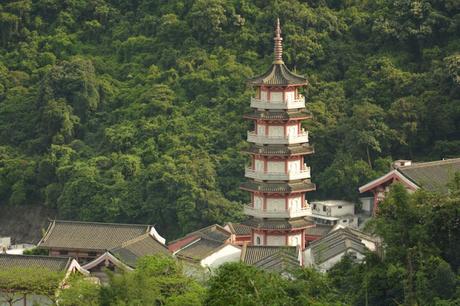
(278, 176)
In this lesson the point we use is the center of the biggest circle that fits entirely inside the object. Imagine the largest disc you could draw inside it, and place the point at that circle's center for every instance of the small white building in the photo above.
(333, 212)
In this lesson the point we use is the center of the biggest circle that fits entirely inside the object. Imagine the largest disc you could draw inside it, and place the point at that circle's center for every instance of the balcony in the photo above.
(264, 104)
(282, 176)
(302, 137)
(287, 213)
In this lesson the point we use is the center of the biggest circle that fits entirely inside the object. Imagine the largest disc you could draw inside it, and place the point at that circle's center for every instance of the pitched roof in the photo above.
(55, 264)
(143, 245)
(90, 235)
(279, 223)
(272, 258)
(199, 249)
(432, 176)
(277, 150)
(214, 233)
(305, 185)
(335, 243)
(278, 75)
(239, 229)
(318, 230)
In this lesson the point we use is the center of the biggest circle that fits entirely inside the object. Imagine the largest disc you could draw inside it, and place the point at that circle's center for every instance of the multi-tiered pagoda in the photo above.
(279, 176)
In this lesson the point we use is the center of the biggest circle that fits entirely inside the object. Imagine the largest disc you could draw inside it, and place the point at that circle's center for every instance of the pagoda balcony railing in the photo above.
(284, 213)
(288, 104)
(284, 176)
(302, 137)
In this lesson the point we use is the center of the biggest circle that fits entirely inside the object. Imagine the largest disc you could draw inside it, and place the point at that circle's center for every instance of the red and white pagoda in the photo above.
(278, 176)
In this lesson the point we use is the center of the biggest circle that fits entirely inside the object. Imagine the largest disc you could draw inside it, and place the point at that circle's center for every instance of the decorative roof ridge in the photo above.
(102, 223)
(137, 239)
(429, 163)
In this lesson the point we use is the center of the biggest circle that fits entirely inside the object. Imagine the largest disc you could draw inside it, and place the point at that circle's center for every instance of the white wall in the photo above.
(293, 130)
(276, 240)
(228, 253)
(276, 204)
(273, 166)
(345, 210)
(295, 203)
(290, 95)
(328, 264)
(259, 165)
(294, 166)
(295, 240)
(258, 202)
(276, 96)
(261, 129)
(276, 130)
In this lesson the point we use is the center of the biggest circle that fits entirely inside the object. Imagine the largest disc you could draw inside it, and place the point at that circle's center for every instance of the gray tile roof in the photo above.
(55, 264)
(239, 229)
(213, 232)
(305, 185)
(335, 243)
(279, 223)
(432, 176)
(319, 230)
(270, 257)
(90, 235)
(281, 150)
(143, 245)
(199, 249)
(278, 75)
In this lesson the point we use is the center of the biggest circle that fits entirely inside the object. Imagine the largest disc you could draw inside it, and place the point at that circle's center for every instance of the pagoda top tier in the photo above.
(278, 74)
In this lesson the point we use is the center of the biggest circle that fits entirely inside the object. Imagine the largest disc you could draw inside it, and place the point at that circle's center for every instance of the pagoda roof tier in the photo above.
(277, 115)
(280, 150)
(301, 186)
(277, 224)
(278, 75)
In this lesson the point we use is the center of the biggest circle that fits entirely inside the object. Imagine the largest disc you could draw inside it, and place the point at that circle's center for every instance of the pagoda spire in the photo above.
(278, 45)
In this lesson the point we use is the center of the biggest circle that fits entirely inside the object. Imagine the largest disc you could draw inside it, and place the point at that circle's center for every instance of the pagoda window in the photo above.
(276, 96)
(258, 240)
(324, 208)
(277, 167)
(260, 129)
(276, 130)
(289, 95)
(264, 95)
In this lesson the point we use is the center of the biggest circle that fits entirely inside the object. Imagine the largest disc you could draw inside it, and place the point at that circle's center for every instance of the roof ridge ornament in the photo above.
(278, 44)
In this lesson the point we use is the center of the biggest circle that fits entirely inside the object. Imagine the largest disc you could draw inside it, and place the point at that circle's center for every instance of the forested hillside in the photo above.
(131, 110)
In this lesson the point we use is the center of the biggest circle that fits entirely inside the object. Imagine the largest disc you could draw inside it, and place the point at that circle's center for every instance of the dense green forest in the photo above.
(131, 110)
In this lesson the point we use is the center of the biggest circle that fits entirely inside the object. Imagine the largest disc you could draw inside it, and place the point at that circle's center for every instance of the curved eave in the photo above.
(271, 117)
(253, 186)
(278, 75)
(264, 151)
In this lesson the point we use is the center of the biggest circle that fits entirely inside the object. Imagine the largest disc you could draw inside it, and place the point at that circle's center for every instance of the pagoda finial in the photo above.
(278, 44)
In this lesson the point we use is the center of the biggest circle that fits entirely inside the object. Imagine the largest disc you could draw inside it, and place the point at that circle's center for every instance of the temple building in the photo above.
(278, 176)
(432, 176)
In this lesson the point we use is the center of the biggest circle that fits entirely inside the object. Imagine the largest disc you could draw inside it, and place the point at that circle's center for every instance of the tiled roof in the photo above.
(90, 235)
(55, 264)
(279, 223)
(335, 243)
(281, 150)
(213, 232)
(239, 229)
(278, 75)
(143, 245)
(305, 185)
(199, 249)
(432, 176)
(319, 230)
(277, 115)
(256, 255)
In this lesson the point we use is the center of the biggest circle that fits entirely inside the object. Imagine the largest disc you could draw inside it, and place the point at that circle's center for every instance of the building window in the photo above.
(344, 221)
(314, 206)
(324, 208)
(63, 252)
(258, 240)
(340, 206)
